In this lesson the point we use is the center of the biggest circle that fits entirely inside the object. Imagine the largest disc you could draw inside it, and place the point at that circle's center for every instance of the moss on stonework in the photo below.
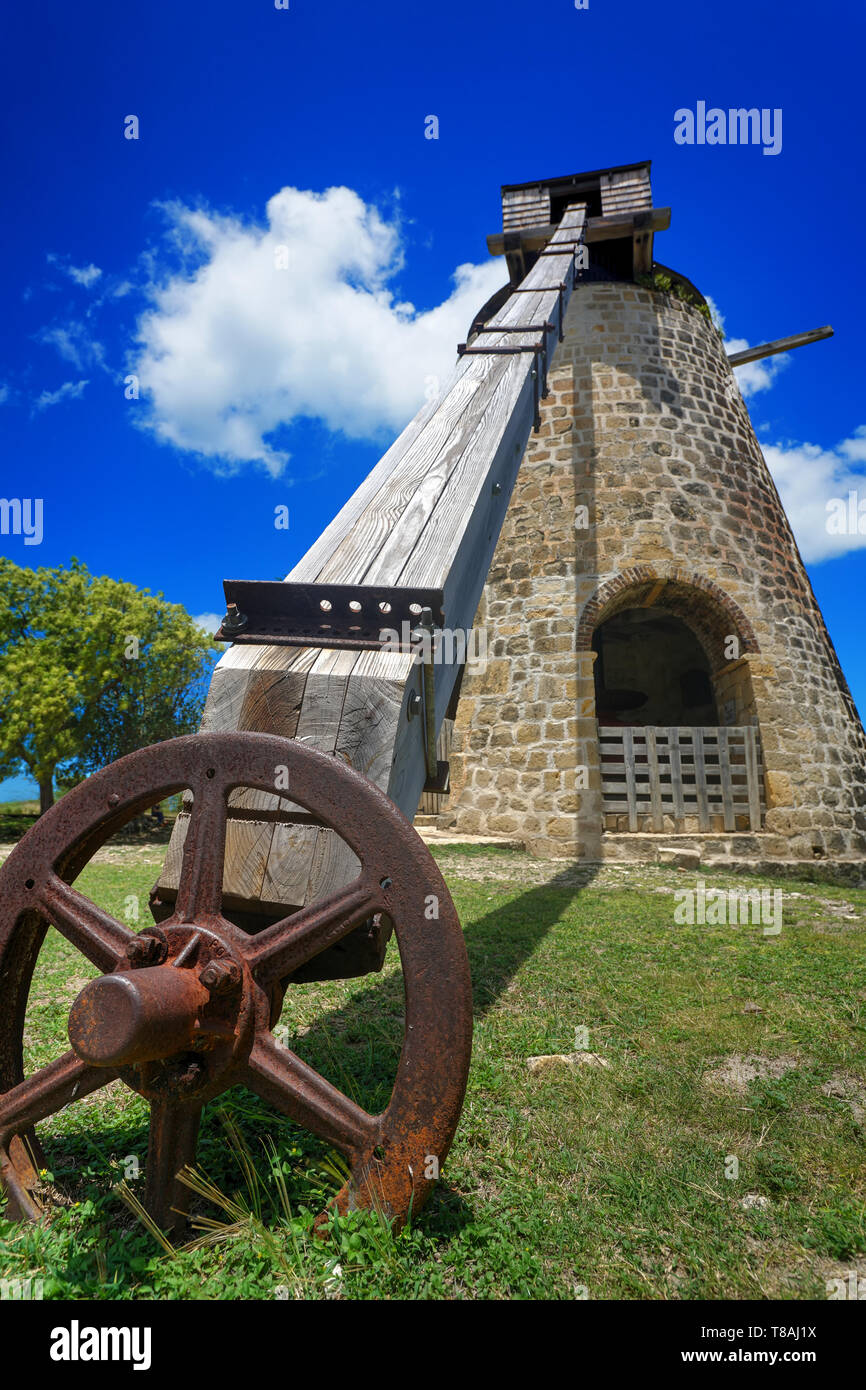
(666, 284)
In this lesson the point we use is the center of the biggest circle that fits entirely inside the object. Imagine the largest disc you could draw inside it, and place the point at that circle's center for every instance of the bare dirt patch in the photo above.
(735, 1073)
(843, 1085)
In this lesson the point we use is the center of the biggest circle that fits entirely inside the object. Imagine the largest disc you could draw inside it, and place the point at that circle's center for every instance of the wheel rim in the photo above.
(388, 1154)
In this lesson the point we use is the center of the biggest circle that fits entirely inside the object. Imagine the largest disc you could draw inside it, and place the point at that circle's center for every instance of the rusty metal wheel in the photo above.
(184, 1010)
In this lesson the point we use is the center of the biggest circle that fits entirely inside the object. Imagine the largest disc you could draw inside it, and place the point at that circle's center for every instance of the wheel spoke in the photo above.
(287, 1083)
(289, 943)
(48, 1091)
(171, 1147)
(98, 935)
(199, 894)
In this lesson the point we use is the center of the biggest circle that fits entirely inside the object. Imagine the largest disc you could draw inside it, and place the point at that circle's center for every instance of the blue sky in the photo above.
(155, 256)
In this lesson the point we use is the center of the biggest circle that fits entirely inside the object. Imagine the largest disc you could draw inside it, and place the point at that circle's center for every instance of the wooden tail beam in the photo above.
(753, 354)
(428, 516)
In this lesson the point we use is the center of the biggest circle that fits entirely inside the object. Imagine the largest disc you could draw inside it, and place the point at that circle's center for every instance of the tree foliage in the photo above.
(91, 668)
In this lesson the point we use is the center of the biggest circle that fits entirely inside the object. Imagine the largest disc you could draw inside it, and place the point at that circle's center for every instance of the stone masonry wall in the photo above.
(646, 430)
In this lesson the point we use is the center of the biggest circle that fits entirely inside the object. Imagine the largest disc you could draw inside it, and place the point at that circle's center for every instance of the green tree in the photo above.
(91, 668)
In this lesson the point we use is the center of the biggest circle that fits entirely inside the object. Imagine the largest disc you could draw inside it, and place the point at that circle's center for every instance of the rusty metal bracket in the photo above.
(463, 349)
(560, 293)
(359, 617)
(425, 629)
(442, 781)
(518, 328)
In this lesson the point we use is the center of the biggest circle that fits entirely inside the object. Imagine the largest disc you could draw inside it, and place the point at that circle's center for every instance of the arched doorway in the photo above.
(650, 668)
(678, 739)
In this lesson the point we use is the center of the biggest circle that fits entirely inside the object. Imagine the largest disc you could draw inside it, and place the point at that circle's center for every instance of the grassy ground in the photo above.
(571, 1181)
(16, 818)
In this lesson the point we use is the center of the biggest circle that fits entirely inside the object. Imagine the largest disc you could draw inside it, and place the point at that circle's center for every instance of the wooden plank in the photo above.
(248, 847)
(372, 527)
(752, 776)
(170, 876)
(655, 784)
(628, 747)
(753, 354)
(359, 531)
(248, 844)
(615, 228)
(432, 494)
(319, 725)
(525, 206)
(725, 769)
(701, 779)
(308, 567)
(676, 772)
(625, 190)
(271, 705)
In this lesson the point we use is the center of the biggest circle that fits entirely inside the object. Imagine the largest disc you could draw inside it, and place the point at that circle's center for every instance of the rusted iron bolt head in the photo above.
(234, 620)
(146, 950)
(221, 976)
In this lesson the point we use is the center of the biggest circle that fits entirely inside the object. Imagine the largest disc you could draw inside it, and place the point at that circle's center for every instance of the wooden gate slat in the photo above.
(725, 770)
(628, 754)
(752, 778)
(676, 772)
(655, 784)
(701, 779)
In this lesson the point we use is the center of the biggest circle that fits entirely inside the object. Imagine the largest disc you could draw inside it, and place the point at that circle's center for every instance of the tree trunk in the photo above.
(46, 793)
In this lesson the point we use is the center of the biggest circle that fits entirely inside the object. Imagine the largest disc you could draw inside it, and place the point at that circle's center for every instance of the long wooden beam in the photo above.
(753, 354)
(429, 514)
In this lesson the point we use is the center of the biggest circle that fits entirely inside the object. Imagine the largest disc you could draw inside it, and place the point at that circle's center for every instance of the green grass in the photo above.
(608, 1178)
(16, 818)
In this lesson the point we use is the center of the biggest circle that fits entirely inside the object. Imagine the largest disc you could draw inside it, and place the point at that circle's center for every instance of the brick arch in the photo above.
(700, 603)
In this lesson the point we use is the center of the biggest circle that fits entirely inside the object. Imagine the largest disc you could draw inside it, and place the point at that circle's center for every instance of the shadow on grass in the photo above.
(357, 1045)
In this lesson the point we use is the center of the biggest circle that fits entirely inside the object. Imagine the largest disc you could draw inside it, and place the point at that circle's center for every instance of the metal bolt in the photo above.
(234, 620)
(146, 949)
(221, 976)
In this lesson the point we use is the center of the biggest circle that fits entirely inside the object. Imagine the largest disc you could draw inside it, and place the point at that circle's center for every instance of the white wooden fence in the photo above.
(711, 776)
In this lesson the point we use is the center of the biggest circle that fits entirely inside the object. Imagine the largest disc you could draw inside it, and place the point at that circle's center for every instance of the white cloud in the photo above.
(753, 376)
(74, 344)
(814, 485)
(4, 393)
(235, 346)
(69, 391)
(85, 275)
(208, 622)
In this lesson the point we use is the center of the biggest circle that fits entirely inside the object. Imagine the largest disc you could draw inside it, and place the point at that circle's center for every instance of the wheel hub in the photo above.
(173, 1027)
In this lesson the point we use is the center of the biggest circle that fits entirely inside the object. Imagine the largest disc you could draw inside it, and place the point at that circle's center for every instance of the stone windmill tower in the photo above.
(659, 671)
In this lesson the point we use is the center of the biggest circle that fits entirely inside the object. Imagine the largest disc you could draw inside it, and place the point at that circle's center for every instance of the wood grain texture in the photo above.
(430, 512)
